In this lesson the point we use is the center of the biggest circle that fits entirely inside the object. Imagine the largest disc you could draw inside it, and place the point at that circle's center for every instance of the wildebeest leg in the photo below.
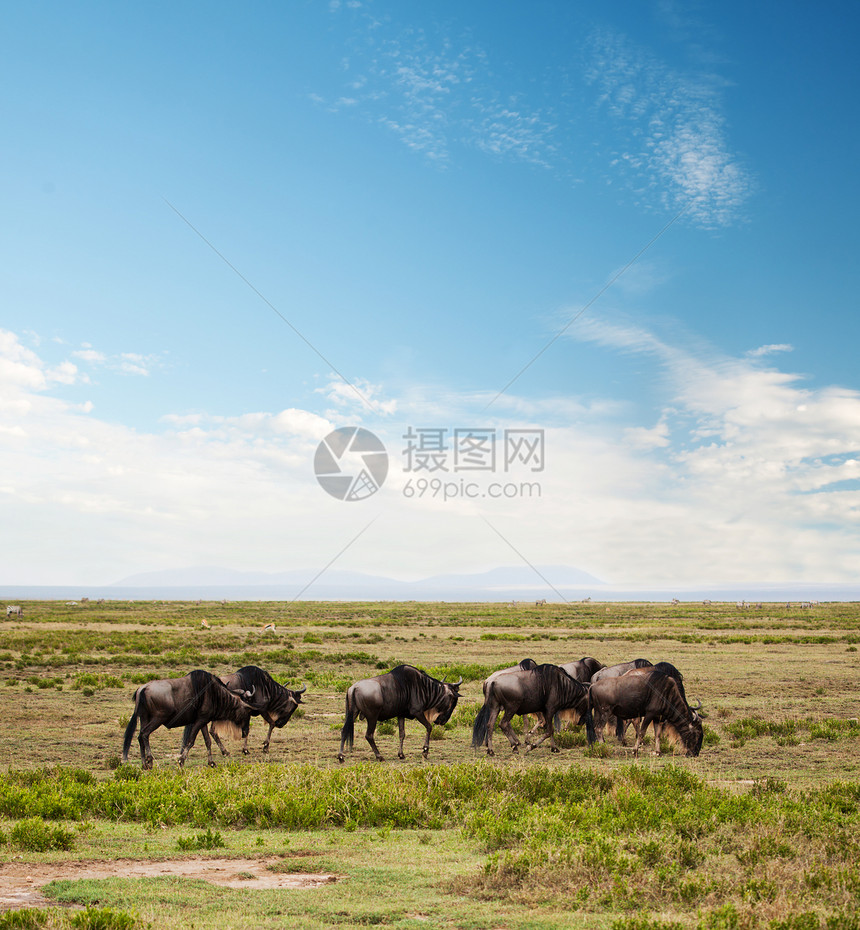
(371, 729)
(548, 734)
(146, 757)
(539, 725)
(428, 726)
(268, 737)
(658, 735)
(507, 729)
(644, 723)
(601, 715)
(491, 725)
(218, 742)
(401, 728)
(192, 736)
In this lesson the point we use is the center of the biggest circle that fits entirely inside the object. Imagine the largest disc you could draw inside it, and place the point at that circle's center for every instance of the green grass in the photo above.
(757, 832)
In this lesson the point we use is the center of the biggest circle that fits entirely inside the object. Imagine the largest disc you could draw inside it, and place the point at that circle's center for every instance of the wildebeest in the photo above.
(192, 701)
(276, 702)
(613, 671)
(544, 690)
(406, 693)
(583, 669)
(621, 724)
(653, 695)
(524, 665)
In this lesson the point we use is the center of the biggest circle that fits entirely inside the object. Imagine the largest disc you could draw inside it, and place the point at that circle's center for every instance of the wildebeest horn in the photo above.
(457, 684)
(301, 690)
(250, 694)
(697, 707)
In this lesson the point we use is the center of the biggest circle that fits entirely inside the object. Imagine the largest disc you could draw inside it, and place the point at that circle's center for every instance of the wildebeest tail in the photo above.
(139, 698)
(479, 728)
(347, 734)
(186, 736)
(590, 732)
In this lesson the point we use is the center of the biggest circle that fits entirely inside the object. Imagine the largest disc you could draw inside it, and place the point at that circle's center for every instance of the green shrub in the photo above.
(34, 835)
(102, 918)
(207, 840)
(26, 919)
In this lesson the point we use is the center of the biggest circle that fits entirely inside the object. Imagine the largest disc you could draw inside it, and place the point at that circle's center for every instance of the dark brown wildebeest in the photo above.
(406, 693)
(544, 690)
(583, 669)
(276, 702)
(652, 695)
(621, 725)
(613, 671)
(192, 702)
(524, 665)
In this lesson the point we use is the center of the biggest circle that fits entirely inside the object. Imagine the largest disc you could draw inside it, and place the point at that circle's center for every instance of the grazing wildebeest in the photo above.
(621, 724)
(651, 694)
(613, 671)
(276, 702)
(544, 690)
(192, 701)
(583, 669)
(406, 693)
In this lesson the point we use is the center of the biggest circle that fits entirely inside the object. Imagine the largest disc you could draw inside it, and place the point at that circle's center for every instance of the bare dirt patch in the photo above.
(21, 882)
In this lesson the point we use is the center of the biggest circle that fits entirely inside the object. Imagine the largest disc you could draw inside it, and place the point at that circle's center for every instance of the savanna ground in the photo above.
(762, 830)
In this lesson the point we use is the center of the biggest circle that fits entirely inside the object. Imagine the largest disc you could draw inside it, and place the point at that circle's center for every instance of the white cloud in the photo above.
(770, 349)
(672, 146)
(741, 473)
(360, 396)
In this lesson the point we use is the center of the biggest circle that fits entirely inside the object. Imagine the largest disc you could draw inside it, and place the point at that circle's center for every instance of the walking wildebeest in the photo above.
(276, 702)
(544, 690)
(523, 666)
(406, 693)
(651, 694)
(192, 702)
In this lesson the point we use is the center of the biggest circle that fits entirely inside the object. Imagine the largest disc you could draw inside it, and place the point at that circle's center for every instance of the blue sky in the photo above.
(430, 195)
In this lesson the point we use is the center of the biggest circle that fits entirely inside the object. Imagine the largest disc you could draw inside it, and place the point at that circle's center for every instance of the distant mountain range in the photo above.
(496, 584)
(508, 583)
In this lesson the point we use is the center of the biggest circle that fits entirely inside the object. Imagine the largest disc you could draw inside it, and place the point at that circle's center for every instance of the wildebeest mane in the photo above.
(641, 663)
(416, 687)
(208, 687)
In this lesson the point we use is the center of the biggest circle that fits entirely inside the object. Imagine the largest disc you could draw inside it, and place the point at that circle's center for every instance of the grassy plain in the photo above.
(759, 831)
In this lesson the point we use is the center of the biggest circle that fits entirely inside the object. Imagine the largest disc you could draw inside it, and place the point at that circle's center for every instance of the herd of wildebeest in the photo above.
(582, 692)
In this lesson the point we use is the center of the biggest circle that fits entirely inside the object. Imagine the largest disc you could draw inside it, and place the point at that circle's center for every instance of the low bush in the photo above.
(34, 835)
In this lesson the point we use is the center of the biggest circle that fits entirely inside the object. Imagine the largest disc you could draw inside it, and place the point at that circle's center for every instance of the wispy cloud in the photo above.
(770, 349)
(435, 92)
(126, 363)
(671, 145)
